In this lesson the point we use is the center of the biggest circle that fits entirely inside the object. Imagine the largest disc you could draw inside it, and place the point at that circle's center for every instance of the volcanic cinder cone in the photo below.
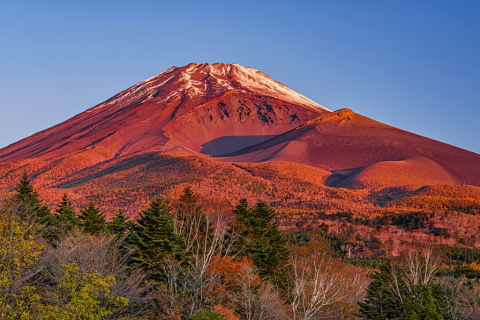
(363, 153)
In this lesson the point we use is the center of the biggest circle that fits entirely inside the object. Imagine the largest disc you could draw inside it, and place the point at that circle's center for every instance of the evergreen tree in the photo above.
(29, 205)
(93, 219)
(66, 219)
(119, 224)
(380, 302)
(388, 297)
(260, 237)
(419, 304)
(154, 239)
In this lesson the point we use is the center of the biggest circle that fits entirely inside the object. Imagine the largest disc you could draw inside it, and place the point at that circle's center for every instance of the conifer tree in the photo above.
(260, 237)
(380, 302)
(154, 240)
(388, 297)
(119, 224)
(29, 204)
(420, 304)
(66, 219)
(93, 219)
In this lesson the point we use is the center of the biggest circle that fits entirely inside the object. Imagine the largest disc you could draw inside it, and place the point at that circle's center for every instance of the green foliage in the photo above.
(260, 237)
(93, 220)
(389, 297)
(457, 254)
(65, 220)
(66, 217)
(119, 224)
(459, 271)
(205, 314)
(367, 262)
(301, 238)
(83, 295)
(154, 240)
(380, 302)
(418, 304)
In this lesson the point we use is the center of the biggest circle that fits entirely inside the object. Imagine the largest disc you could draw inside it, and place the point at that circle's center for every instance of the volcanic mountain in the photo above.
(225, 128)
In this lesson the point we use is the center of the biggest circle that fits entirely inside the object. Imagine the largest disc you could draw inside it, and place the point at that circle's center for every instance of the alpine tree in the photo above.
(119, 223)
(392, 295)
(260, 238)
(93, 219)
(29, 205)
(154, 239)
(382, 300)
(66, 219)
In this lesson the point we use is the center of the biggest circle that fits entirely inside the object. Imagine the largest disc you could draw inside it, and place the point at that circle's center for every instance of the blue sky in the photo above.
(411, 64)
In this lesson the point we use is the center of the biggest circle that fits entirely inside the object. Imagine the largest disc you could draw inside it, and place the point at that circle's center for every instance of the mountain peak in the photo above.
(213, 80)
(187, 123)
(179, 108)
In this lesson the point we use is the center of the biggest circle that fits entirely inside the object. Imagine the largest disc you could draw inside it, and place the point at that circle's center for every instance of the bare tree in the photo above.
(421, 267)
(95, 253)
(316, 286)
(191, 288)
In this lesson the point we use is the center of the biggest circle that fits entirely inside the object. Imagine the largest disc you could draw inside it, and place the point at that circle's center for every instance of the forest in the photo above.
(176, 260)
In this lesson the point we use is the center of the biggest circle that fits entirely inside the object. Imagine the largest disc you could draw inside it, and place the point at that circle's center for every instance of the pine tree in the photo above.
(238, 231)
(66, 219)
(154, 240)
(260, 237)
(388, 297)
(93, 219)
(119, 224)
(380, 303)
(419, 304)
(29, 205)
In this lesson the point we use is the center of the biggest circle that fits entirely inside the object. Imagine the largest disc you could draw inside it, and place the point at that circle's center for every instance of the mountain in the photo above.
(180, 108)
(363, 153)
(232, 132)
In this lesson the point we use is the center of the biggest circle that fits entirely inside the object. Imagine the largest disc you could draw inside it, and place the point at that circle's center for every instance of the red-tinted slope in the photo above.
(365, 153)
(134, 119)
(209, 125)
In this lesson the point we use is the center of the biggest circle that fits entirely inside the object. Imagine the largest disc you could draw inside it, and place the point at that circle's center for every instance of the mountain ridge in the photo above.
(227, 114)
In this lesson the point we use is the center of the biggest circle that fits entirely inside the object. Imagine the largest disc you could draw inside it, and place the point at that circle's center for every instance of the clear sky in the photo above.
(411, 64)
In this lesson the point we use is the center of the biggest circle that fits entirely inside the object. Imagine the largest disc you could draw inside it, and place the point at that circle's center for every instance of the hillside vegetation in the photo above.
(191, 257)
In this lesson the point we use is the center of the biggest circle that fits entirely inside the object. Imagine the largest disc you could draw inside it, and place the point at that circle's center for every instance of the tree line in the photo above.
(174, 261)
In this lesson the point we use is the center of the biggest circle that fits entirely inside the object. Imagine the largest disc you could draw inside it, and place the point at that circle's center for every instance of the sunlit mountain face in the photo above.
(231, 132)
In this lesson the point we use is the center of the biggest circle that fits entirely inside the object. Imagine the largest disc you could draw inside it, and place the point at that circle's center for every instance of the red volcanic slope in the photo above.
(206, 119)
(363, 153)
(180, 107)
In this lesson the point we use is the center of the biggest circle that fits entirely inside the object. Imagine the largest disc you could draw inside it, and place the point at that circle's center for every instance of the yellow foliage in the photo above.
(18, 250)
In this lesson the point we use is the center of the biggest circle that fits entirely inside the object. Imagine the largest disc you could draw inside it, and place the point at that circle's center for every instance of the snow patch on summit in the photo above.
(205, 81)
